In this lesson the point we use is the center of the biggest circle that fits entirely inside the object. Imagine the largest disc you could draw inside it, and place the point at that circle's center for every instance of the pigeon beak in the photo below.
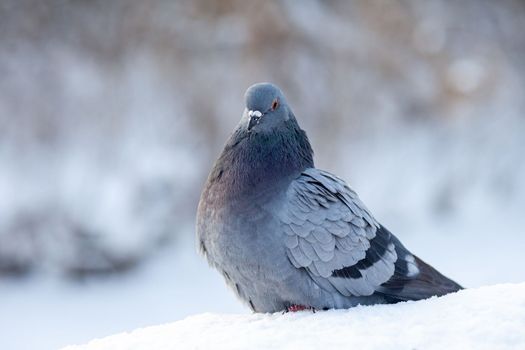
(255, 117)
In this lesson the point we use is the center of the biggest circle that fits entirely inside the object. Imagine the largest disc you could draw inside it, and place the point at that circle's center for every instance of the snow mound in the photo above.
(484, 318)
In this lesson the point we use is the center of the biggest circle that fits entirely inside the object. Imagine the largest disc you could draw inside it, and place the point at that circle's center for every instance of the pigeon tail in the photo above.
(428, 283)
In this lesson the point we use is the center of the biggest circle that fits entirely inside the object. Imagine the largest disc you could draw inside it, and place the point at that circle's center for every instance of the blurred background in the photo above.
(112, 113)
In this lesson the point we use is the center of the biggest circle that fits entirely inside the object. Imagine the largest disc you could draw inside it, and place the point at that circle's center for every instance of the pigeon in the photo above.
(287, 236)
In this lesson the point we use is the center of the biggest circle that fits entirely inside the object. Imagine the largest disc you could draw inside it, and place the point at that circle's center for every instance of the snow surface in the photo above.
(483, 318)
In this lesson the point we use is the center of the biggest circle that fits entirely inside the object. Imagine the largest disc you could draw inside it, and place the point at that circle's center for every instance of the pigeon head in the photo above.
(266, 149)
(266, 108)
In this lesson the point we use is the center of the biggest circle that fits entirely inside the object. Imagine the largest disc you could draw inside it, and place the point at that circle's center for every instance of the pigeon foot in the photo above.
(295, 308)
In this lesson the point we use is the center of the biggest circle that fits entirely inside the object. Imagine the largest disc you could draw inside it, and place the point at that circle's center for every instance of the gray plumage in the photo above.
(284, 233)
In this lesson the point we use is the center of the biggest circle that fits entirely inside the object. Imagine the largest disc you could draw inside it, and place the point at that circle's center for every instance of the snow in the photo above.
(484, 318)
(466, 75)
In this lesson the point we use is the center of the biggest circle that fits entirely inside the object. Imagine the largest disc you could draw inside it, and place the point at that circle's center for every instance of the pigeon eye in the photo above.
(275, 104)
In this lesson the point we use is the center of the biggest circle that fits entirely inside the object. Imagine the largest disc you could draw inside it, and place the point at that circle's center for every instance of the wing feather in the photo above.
(331, 234)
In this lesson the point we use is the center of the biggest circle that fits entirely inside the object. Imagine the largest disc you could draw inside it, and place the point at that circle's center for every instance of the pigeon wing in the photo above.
(330, 233)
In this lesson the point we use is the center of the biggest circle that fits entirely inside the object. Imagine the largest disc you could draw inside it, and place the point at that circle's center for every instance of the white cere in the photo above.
(254, 113)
